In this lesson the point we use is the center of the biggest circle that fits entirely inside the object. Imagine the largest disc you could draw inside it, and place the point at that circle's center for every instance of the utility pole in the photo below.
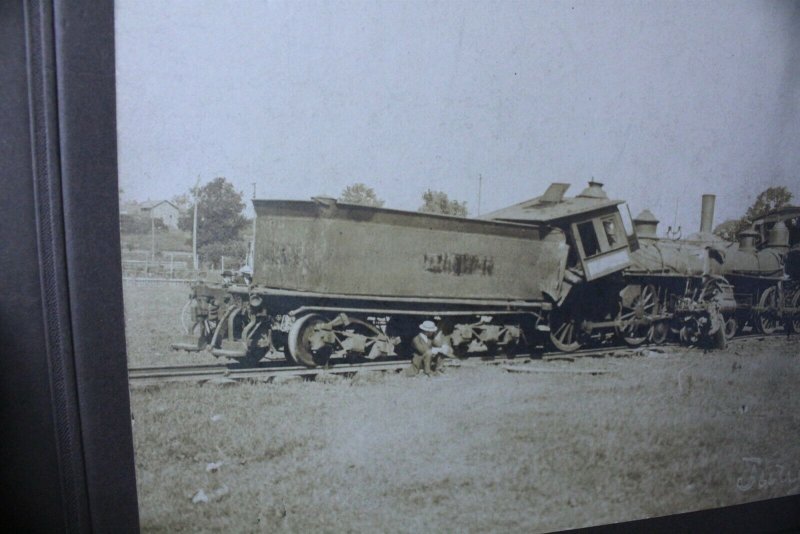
(194, 225)
(480, 187)
(252, 255)
(152, 236)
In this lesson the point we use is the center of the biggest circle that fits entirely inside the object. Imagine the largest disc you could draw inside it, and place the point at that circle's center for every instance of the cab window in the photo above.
(610, 229)
(588, 238)
(600, 235)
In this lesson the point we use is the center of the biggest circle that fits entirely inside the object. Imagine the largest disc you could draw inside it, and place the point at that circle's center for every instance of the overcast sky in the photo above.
(661, 101)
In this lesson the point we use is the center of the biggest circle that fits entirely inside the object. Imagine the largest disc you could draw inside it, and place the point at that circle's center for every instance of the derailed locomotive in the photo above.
(712, 288)
(332, 280)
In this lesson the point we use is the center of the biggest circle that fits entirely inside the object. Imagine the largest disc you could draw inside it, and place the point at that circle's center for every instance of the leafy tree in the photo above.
(359, 193)
(438, 202)
(768, 200)
(730, 229)
(219, 214)
(182, 202)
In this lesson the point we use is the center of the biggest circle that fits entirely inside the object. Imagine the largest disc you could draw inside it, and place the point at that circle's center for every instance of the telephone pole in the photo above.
(480, 187)
(252, 255)
(194, 225)
(152, 236)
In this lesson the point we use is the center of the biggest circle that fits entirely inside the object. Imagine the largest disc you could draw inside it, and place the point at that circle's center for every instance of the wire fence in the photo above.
(156, 281)
(171, 269)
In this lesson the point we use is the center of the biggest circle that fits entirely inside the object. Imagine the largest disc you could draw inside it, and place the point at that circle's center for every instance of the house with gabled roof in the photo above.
(161, 209)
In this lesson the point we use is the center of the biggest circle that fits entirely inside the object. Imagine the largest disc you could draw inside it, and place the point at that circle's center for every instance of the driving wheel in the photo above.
(767, 321)
(635, 319)
(304, 346)
(564, 330)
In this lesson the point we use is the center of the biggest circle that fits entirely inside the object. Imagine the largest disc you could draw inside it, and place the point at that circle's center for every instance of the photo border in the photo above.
(68, 177)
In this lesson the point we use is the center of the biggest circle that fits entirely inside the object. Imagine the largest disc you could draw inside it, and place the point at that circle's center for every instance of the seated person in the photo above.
(429, 349)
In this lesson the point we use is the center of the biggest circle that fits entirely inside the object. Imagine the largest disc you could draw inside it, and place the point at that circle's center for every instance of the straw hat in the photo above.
(428, 326)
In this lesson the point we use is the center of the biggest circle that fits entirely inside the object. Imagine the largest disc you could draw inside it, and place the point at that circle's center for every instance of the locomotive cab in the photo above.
(600, 232)
(601, 238)
(601, 244)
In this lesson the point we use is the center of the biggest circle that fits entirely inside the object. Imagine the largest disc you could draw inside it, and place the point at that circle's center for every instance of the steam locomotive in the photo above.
(712, 288)
(334, 281)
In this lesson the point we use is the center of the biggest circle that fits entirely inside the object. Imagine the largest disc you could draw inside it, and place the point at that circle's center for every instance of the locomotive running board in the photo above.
(424, 313)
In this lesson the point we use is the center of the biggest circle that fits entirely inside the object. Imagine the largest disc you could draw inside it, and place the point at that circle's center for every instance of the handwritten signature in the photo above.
(763, 474)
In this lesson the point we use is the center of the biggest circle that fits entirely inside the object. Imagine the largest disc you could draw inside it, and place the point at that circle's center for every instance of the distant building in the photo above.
(161, 209)
(129, 207)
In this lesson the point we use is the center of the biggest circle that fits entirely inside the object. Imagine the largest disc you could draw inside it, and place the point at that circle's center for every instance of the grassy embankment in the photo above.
(479, 449)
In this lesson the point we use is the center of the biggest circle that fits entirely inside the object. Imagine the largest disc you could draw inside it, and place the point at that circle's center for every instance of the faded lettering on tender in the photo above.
(288, 256)
(459, 264)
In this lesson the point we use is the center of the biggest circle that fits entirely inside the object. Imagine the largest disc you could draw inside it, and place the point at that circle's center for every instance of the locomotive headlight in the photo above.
(256, 301)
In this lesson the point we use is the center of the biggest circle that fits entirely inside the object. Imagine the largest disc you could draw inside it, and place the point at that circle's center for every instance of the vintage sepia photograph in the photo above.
(490, 266)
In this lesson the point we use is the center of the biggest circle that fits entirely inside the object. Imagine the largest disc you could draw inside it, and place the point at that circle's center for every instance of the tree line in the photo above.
(432, 201)
(221, 220)
(770, 199)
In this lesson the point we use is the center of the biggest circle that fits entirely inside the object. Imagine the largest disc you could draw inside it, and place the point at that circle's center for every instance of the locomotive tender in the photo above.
(332, 280)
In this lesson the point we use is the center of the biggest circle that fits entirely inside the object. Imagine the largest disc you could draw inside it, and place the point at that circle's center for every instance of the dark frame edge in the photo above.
(780, 514)
(86, 96)
(43, 110)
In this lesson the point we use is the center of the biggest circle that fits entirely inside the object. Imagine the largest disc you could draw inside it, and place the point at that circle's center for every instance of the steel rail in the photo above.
(267, 371)
(260, 374)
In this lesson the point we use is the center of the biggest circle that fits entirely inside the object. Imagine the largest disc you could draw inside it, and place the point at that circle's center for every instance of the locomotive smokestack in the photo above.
(707, 214)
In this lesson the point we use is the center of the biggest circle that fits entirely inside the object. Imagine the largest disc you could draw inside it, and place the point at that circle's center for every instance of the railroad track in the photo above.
(264, 373)
(270, 371)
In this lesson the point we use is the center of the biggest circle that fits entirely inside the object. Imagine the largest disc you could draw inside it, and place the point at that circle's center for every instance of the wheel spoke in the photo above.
(565, 333)
(560, 331)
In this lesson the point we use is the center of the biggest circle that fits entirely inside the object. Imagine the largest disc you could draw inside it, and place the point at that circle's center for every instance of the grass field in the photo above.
(478, 449)
(152, 323)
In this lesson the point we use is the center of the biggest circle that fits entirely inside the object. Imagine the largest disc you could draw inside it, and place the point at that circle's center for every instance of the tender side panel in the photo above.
(362, 252)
